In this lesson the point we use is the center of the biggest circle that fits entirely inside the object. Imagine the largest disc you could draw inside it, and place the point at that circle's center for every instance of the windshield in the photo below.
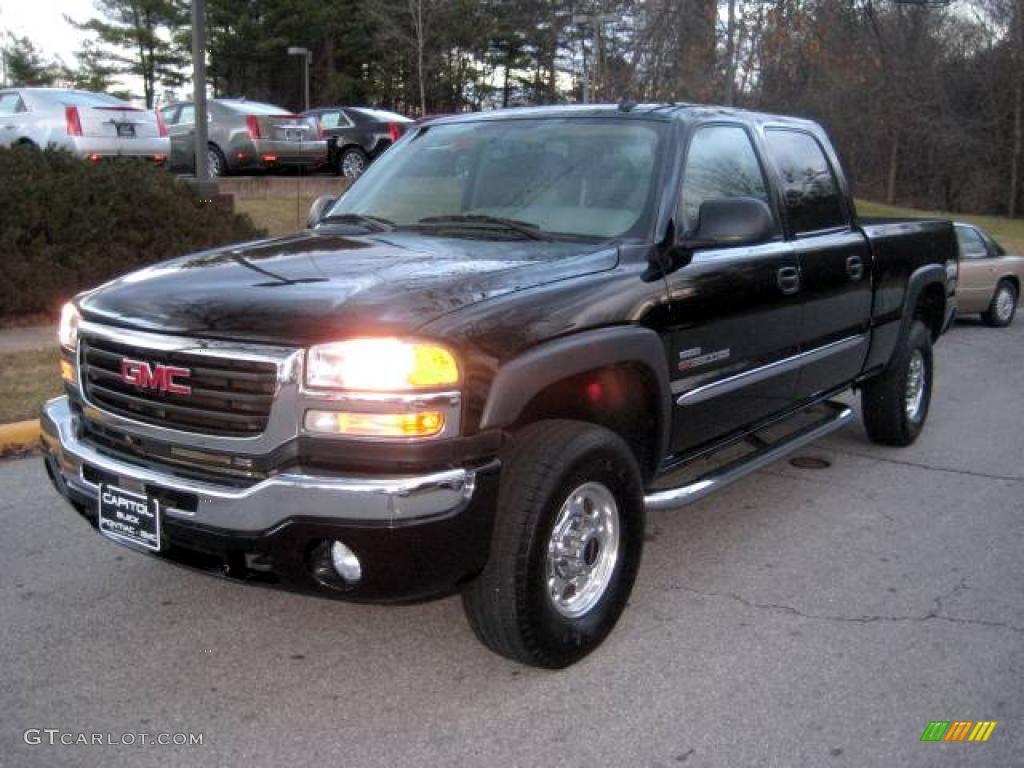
(569, 176)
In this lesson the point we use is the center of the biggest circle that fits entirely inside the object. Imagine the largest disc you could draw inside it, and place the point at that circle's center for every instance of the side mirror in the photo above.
(730, 221)
(317, 210)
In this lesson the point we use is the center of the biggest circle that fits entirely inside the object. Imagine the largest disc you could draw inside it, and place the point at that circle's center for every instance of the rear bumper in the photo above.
(142, 148)
(269, 153)
(415, 536)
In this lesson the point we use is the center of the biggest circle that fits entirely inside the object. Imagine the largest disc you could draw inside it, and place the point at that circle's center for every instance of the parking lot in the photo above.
(810, 617)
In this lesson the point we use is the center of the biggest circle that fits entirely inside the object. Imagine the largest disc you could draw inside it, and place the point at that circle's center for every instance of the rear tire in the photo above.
(895, 403)
(566, 545)
(218, 165)
(1003, 306)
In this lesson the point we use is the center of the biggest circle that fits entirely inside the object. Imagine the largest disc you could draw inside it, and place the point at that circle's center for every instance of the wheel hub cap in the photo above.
(916, 374)
(1004, 304)
(352, 164)
(583, 549)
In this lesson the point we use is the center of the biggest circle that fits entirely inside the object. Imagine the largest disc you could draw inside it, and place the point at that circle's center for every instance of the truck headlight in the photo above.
(380, 365)
(67, 331)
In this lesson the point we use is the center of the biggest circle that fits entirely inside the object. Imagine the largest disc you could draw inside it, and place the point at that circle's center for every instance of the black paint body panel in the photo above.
(495, 300)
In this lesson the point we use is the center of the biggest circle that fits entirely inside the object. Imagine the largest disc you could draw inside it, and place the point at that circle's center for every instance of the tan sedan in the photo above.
(990, 278)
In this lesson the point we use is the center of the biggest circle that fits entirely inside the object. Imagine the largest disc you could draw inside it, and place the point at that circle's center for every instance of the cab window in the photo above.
(813, 201)
(721, 163)
(169, 114)
(11, 103)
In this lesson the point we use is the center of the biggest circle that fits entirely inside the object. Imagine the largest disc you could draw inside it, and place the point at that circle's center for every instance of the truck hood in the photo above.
(319, 286)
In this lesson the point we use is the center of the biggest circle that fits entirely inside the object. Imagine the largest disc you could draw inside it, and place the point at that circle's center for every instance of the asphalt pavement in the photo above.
(802, 617)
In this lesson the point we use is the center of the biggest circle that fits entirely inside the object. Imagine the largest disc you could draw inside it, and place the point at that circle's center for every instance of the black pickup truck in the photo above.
(479, 368)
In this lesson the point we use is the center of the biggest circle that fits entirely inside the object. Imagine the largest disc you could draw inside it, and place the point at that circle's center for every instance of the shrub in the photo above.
(67, 225)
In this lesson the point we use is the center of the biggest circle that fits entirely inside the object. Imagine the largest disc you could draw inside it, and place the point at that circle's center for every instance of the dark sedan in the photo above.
(357, 135)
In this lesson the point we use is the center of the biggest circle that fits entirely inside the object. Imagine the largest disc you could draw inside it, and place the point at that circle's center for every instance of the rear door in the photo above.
(834, 257)
(735, 311)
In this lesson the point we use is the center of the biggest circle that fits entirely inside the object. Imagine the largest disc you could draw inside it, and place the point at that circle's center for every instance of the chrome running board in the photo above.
(764, 453)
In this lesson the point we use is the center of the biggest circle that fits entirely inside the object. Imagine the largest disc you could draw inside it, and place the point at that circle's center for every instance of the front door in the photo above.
(735, 311)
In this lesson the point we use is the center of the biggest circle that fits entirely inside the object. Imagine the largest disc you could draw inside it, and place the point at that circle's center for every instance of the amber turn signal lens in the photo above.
(418, 424)
(67, 371)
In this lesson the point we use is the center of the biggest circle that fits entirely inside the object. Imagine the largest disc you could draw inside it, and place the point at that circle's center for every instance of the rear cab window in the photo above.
(255, 108)
(378, 115)
(810, 190)
(84, 99)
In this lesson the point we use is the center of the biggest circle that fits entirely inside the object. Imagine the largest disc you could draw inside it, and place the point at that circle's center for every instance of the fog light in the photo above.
(346, 563)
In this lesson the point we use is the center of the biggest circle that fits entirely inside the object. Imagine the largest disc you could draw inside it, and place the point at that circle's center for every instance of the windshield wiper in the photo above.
(373, 223)
(525, 228)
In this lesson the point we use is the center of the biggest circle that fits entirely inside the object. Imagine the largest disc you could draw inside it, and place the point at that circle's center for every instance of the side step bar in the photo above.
(765, 453)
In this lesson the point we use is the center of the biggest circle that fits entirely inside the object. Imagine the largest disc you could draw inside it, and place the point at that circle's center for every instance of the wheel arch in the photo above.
(926, 300)
(1013, 279)
(211, 144)
(615, 377)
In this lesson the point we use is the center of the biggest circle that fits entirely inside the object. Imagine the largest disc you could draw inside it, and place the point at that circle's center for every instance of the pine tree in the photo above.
(136, 37)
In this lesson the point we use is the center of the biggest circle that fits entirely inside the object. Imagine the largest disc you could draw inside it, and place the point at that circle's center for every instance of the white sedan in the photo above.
(90, 125)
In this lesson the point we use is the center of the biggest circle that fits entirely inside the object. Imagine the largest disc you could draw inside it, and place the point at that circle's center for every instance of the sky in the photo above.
(43, 22)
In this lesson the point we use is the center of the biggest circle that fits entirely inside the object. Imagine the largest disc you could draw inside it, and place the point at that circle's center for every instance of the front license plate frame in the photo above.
(129, 517)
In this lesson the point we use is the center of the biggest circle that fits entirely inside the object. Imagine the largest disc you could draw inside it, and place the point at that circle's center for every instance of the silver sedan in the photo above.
(90, 125)
(245, 135)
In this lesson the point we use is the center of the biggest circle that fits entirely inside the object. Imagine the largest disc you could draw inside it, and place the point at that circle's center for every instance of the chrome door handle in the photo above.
(788, 279)
(855, 267)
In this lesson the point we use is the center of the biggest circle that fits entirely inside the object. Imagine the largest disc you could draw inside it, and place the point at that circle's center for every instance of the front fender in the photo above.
(522, 378)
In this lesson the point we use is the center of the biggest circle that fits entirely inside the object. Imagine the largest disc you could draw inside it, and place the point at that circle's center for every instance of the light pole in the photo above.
(296, 50)
(199, 89)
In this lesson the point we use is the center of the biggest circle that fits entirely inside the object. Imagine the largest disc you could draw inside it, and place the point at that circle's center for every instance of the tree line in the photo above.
(923, 97)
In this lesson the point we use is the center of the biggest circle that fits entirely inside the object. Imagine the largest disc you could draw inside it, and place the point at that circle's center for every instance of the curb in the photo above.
(20, 434)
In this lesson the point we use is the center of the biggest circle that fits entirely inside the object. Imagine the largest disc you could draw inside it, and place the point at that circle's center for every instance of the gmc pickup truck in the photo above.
(481, 366)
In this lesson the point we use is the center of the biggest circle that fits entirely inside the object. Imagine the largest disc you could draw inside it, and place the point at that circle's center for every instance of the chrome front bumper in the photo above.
(390, 500)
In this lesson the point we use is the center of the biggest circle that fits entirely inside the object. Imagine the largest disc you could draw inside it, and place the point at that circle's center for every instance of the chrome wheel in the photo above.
(353, 163)
(1005, 301)
(916, 379)
(214, 163)
(583, 550)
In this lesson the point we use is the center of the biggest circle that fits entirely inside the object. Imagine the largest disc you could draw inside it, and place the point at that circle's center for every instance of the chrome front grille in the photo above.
(230, 397)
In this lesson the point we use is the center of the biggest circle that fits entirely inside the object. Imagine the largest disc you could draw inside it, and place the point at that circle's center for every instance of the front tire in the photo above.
(352, 163)
(566, 545)
(1003, 306)
(895, 403)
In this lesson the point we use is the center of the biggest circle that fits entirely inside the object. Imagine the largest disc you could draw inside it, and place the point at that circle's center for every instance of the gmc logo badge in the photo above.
(160, 377)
